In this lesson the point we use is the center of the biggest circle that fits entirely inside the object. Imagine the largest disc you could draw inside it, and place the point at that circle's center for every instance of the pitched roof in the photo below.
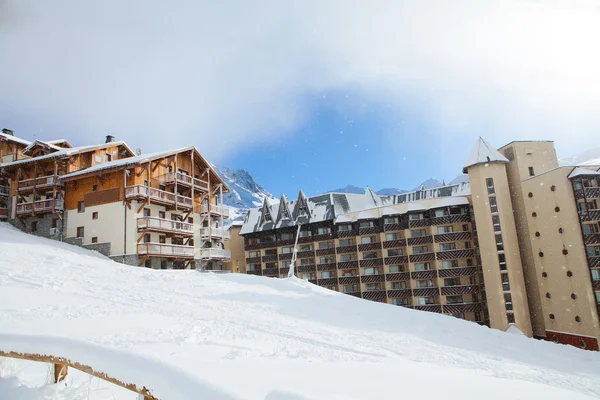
(483, 153)
(365, 215)
(579, 171)
(14, 139)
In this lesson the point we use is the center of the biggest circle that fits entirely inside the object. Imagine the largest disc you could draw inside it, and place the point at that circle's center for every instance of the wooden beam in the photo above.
(61, 361)
(60, 372)
(144, 167)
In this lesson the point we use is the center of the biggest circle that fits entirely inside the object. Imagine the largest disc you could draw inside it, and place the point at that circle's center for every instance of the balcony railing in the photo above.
(215, 209)
(165, 250)
(40, 206)
(185, 180)
(164, 225)
(158, 195)
(4, 190)
(40, 182)
(215, 232)
(215, 253)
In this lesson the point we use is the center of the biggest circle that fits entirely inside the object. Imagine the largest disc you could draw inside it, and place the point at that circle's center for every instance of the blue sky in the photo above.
(306, 94)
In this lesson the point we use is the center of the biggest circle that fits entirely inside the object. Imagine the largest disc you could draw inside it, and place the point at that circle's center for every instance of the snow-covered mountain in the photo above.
(245, 192)
(588, 157)
(428, 184)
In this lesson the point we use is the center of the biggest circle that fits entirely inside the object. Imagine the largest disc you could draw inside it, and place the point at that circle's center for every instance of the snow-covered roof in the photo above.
(14, 139)
(415, 207)
(342, 218)
(451, 201)
(389, 211)
(41, 143)
(483, 153)
(365, 215)
(62, 152)
(59, 141)
(580, 171)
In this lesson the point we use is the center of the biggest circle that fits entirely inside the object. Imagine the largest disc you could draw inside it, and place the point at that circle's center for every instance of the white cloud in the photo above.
(228, 72)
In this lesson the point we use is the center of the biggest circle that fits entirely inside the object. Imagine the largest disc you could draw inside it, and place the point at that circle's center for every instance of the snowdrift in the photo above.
(188, 335)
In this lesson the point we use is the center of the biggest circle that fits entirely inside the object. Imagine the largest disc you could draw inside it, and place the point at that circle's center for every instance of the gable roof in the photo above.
(579, 171)
(40, 143)
(483, 153)
(11, 138)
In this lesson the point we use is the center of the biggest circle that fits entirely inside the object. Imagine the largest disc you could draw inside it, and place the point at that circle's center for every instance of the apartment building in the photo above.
(516, 246)
(159, 210)
(11, 149)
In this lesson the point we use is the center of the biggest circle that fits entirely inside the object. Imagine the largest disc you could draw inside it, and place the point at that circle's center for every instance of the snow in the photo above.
(15, 139)
(451, 201)
(483, 153)
(583, 171)
(183, 333)
(11, 388)
(365, 215)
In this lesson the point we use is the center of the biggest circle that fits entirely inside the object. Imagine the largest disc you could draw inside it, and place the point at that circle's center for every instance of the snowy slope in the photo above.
(587, 157)
(249, 337)
(428, 184)
(245, 192)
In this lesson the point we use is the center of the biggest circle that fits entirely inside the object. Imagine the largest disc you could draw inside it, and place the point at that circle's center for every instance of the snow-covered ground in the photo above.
(190, 335)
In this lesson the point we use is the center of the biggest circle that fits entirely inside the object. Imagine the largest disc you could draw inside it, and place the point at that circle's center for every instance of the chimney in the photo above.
(7, 131)
(109, 138)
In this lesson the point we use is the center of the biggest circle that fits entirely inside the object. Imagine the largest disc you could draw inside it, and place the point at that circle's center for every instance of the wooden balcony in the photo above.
(456, 290)
(369, 246)
(587, 193)
(184, 180)
(215, 209)
(40, 206)
(393, 227)
(347, 264)
(252, 260)
(325, 252)
(419, 223)
(396, 260)
(397, 276)
(452, 236)
(594, 261)
(392, 244)
(269, 258)
(428, 274)
(422, 257)
(589, 215)
(306, 254)
(306, 268)
(426, 291)
(372, 278)
(457, 271)
(327, 281)
(368, 231)
(420, 240)
(270, 272)
(371, 262)
(254, 272)
(158, 196)
(345, 234)
(165, 225)
(349, 280)
(43, 182)
(165, 250)
(373, 294)
(347, 249)
(455, 253)
(429, 307)
(217, 233)
(461, 307)
(215, 254)
(451, 219)
(591, 238)
(285, 256)
(326, 267)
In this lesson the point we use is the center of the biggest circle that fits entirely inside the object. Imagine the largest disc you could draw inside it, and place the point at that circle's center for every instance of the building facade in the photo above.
(161, 210)
(516, 246)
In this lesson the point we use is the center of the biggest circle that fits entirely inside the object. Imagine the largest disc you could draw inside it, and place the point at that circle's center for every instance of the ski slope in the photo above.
(189, 335)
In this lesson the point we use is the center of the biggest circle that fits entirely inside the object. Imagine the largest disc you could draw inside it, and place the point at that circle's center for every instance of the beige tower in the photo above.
(498, 242)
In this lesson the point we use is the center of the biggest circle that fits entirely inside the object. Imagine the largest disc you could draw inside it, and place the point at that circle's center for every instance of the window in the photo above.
(326, 260)
(391, 220)
(366, 224)
(345, 227)
(444, 229)
(427, 283)
(271, 252)
(422, 301)
(348, 257)
(306, 247)
(505, 283)
(452, 282)
(508, 301)
(162, 239)
(399, 285)
(80, 207)
(368, 239)
(80, 232)
(577, 185)
(146, 212)
(531, 173)
(349, 272)
(190, 220)
(324, 230)
(441, 213)
(307, 276)
(499, 244)
(286, 264)
(394, 253)
(414, 217)
(95, 239)
(502, 261)
(369, 255)
(325, 245)
(454, 300)
(147, 238)
(447, 246)
(148, 263)
(254, 267)
(418, 233)
(510, 317)
(400, 302)
(420, 249)
(346, 242)
(449, 264)
(350, 288)
(95, 215)
(271, 265)
(493, 205)
(34, 226)
(490, 185)
(392, 236)
(394, 268)
(590, 229)
(54, 222)
(597, 294)
(371, 271)
(305, 234)
(287, 250)
(254, 254)
(596, 275)
(422, 267)
(496, 222)
(108, 157)
(593, 251)
(307, 261)
(95, 188)
(373, 286)
(326, 274)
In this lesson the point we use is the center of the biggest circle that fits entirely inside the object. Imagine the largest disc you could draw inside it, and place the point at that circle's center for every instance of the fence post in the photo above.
(60, 372)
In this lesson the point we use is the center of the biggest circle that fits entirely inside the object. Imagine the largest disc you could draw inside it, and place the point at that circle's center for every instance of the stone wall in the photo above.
(102, 248)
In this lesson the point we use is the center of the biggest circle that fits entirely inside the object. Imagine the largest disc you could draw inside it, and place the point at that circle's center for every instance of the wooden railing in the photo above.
(158, 195)
(215, 253)
(185, 180)
(41, 181)
(40, 206)
(165, 250)
(215, 209)
(167, 225)
(216, 232)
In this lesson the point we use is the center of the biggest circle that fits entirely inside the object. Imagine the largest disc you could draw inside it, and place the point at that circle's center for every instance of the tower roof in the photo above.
(483, 153)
